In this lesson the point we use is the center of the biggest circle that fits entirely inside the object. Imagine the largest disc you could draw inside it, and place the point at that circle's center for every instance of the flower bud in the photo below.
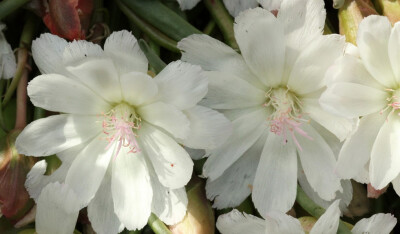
(15, 202)
(199, 218)
(390, 9)
(66, 18)
(350, 16)
(307, 222)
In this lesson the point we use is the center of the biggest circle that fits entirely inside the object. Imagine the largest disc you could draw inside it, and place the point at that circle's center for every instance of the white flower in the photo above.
(7, 58)
(118, 141)
(236, 6)
(279, 223)
(369, 86)
(270, 93)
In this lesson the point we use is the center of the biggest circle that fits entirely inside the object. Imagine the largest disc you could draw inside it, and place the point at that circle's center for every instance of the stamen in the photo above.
(286, 116)
(393, 102)
(120, 126)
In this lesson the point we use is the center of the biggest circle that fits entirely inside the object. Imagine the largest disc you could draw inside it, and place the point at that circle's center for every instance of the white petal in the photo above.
(171, 162)
(302, 20)
(385, 161)
(236, 183)
(352, 50)
(328, 223)
(396, 184)
(339, 126)
(352, 100)
(56, 133)
(181, 84)
(166, 116)
(393, 49)
(363, 176)
(213, 55)
(278, 222)
(351, 69)
(208, 128)
(270, 4)
(195, 154)
(99, 75)
(101, 210)
(236, 6)
(352, 157)
(7, 59)
(378, 223)
(309, 69)
(169, 205)
(345, 197)
(318, 162)
(57, 210)
(246, 131)
(131, 189)
(262, 50)
(236, 222)
(125, 52)
(76, 51)
(334, 143)
(226, 91)
(47, 52)
(278, 165)
(88, 169)
(138, 88)
(372, 40)
(233, 114)
(36, 179)
(61, 94)
(187, 4)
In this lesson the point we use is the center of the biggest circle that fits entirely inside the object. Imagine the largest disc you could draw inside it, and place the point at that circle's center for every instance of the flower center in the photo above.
(120, 125)
(286, 116)
(393, 100)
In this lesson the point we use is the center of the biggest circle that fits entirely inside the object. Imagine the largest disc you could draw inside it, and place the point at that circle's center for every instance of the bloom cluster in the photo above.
(285, 114)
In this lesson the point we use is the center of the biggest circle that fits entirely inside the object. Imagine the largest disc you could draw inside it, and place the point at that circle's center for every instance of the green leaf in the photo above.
(162, 18)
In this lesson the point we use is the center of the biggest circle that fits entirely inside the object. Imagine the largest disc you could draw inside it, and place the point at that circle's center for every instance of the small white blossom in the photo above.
(7, 58)
(280, 223)
(236, 6)
(369, 86)
(270, 92)
(119, 137)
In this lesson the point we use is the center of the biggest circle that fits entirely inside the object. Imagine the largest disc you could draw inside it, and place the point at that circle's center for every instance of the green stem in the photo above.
(2, 123)
(39, 113)
(307, 204)
(9, 6)
(209, 27)
(20, 121)
(157, 225)
(24, 45)
(223, 20)
(157, 36)
(154, 60)
(313, 209)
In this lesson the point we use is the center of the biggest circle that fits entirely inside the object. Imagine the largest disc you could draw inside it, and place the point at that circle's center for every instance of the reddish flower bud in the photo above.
(68, 18)
(15, 202)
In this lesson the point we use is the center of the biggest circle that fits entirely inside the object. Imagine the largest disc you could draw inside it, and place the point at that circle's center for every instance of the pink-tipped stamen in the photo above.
(286, 116)
(121, 130)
